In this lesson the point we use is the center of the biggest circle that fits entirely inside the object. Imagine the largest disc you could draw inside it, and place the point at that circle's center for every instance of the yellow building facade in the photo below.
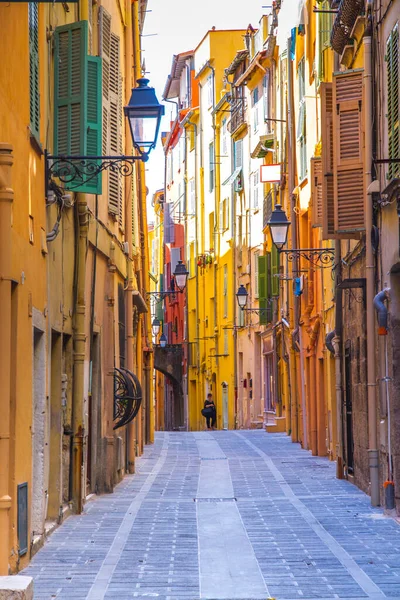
(74, 267)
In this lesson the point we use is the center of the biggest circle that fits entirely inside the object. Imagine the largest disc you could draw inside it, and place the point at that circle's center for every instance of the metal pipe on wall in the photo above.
(373, 451)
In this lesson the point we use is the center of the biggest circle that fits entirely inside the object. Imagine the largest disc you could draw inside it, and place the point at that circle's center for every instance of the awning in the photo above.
(233, 176)
(139, 302)
(266, 141)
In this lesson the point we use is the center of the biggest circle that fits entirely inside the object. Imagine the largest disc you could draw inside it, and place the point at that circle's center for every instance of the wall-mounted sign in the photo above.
(270, 173)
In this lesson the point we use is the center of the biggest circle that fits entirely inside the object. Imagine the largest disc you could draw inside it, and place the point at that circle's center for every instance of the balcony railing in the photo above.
(238, 110)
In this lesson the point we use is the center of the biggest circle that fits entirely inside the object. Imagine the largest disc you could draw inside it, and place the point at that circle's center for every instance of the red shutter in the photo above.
(348, 153)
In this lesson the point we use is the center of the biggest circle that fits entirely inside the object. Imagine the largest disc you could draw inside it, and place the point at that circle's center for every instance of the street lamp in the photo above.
(144, 115)
(279, 227)
(242, 297)
(181, 274)
(156, 326)
(163, 340)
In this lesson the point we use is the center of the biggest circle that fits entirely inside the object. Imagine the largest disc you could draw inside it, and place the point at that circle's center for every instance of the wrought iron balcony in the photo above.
(345, 19)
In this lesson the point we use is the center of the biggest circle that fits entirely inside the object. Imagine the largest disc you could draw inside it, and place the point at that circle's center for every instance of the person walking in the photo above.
(209, 412)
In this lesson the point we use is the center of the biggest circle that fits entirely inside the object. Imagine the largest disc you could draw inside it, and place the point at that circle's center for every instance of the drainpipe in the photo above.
(294, 314)
(216, 183)
(382, 314)
(131, 437)
(144, 255)
(6, 200)
(196, 240)
(373, 451)
(79, 342)
(337, 346)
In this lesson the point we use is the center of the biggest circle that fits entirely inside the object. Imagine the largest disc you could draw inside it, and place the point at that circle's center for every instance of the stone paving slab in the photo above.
(224, 515)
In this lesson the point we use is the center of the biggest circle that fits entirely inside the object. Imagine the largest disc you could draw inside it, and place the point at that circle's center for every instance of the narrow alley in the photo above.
(224, 515)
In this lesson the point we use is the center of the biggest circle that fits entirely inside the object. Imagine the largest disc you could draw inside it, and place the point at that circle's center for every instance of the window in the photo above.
(224, 138)
(267, 208)
(255, 99)
(226, 342)
(77, 99)
(238, 150)
(267, 101)
(256, 189)
(256, 287)
(210, 95)
(324, 28)
(212, 165)
(392, 71)
(34, 105)
(301, 124)
(225, 291)
(192, 188)
(223, 215)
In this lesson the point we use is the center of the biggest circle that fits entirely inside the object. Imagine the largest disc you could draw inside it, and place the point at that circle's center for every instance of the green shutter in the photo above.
(77, 100)
(392, 59)
(93, 128)
(160, 305)
(34, 100)
(274, 271)
(262, 288)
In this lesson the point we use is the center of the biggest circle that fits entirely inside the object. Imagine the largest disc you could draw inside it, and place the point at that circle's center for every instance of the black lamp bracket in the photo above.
(75, 171)
(160, 296)
(319, 257)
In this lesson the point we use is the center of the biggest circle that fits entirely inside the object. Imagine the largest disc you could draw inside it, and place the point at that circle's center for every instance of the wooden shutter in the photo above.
(316, 191)
(262, 288)
(328, 213)
(93, 99)
(238, 154)
(69, 92)
(348, 152)
(105, 51)
(77, 100)
(115, 204)
(34, 96)
(274, 271)
(393, 112)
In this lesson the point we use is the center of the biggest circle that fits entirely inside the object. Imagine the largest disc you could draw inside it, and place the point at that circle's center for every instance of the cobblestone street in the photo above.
(224, 515)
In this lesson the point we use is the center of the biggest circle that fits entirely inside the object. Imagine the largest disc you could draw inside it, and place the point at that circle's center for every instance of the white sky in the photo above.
(179, 26)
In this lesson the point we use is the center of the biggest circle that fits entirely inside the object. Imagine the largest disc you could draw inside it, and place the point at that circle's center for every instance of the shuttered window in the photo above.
(211, 165)
(392, 71)
(115, 188)
(301, 123)
(262, 288)
(316, 192)
(225, 290)
(77, 100)
(238, 149)
(256, 279)
(33, 18)
(274, 272)
(348, 172)
(328, 211)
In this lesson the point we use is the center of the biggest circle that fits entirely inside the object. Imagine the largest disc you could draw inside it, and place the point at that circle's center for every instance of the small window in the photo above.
(211, 163)
(225, 291)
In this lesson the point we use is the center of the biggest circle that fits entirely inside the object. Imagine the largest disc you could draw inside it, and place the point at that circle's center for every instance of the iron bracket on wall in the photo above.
(75, 171)
(127, 396)
(319, 257)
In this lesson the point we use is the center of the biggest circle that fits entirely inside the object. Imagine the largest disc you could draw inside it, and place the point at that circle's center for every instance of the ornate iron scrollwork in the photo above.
(75, 171)
(319, 257)
(127, 396)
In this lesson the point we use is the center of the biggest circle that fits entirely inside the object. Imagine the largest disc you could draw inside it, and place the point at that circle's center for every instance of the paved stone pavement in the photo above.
(224, 515)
